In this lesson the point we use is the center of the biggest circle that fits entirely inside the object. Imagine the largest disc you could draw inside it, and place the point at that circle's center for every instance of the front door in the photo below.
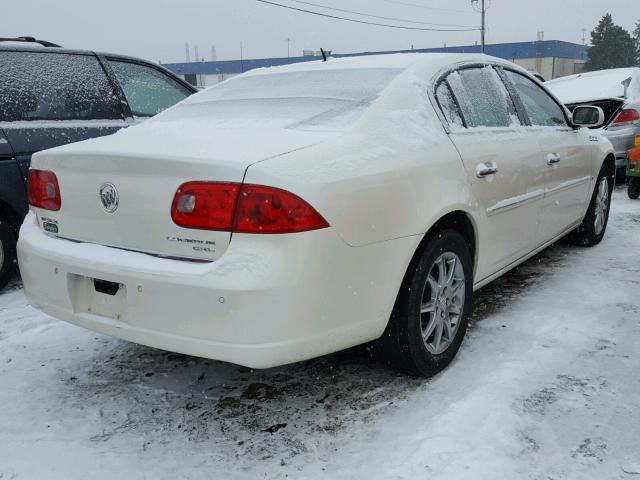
(565, 152)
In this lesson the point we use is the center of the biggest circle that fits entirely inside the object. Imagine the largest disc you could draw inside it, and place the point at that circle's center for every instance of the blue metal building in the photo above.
(534, 55)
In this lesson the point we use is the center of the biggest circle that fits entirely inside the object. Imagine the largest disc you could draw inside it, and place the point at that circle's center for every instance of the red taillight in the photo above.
(43, 190)
(626, 117)
(242, 208)
(271, 210)
(205, 205)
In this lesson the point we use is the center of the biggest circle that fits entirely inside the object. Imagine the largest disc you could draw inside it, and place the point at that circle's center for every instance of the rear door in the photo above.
(51, 98)
(502, 163)
(566, 153)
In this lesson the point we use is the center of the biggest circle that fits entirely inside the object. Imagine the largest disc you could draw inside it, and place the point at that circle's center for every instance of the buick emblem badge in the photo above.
(109, 197)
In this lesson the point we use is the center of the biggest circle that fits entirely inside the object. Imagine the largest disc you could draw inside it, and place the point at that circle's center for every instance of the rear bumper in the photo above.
(270, 300)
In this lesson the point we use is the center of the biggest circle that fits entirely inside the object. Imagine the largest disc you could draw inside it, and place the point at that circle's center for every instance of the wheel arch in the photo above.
(458, 220)
(610, 160)
(8, 214)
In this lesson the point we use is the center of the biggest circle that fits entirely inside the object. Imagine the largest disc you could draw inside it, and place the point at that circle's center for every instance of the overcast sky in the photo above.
(158, 29)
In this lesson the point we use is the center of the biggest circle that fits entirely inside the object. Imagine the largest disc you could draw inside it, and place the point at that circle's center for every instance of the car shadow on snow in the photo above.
(156, 396)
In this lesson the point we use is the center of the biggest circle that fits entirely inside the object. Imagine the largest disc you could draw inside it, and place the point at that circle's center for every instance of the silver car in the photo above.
(617, 92)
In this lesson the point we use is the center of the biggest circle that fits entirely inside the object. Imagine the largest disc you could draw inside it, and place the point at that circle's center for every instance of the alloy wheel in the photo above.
(442, 303)
(602, 205)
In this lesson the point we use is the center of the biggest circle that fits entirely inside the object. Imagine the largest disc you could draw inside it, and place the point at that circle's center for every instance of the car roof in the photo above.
(402, 61)
(31, 47)
(36, 47)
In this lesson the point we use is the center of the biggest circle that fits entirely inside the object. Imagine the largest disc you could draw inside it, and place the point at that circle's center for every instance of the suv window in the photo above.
(540, 107)
(148, 90)
(483, 98)
(54, 86)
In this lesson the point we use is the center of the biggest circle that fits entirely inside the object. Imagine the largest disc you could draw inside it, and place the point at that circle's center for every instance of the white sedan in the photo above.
(296, 211)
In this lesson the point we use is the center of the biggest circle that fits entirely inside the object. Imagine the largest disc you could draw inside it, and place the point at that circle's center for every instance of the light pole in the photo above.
(288, 47)
(241, 58)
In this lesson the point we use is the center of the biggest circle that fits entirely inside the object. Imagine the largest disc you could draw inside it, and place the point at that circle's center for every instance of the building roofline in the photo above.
(508, 51)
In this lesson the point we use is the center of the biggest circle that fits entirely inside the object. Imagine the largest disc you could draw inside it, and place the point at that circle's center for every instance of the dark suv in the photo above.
(51, 96)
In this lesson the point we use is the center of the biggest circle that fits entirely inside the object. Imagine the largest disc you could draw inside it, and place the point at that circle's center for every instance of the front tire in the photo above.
(7, 254)
(430, 317)
(633, 189)
(594, 225)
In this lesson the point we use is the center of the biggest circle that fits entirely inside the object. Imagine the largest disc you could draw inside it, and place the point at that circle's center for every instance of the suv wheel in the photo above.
(430, 317)
(7, 253)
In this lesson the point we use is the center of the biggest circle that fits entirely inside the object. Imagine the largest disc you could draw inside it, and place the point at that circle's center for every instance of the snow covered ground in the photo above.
(546, 386)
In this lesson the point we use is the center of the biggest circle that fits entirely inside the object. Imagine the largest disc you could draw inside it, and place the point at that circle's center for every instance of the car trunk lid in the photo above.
(145, 166)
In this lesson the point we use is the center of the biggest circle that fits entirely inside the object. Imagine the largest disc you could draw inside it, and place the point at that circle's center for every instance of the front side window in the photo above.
(147, 90)
(484, 100)
(54, 86)
(540, 107)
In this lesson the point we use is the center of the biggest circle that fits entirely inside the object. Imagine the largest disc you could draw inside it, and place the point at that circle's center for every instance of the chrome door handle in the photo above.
(553, 158)
(486, 169)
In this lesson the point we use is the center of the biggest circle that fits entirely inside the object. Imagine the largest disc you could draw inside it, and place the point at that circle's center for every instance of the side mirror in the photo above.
(588, 116)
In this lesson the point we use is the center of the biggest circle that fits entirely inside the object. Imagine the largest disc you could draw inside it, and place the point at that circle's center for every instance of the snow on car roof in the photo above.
(330, 95)
(600, 85)
(400, 61)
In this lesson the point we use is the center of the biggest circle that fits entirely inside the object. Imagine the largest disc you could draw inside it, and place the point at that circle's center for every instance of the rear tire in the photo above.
(8, 263)
(594, 225)
(430, 317)
(633, 190)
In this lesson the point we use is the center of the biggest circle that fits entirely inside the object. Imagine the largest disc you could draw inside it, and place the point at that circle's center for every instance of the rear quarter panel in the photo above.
(394, 175)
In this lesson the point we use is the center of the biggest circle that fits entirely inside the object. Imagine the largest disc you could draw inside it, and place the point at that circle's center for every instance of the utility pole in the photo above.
(483, 28)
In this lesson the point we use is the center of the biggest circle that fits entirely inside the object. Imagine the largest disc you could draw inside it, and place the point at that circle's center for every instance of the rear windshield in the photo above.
(299, 100)
(54, 86)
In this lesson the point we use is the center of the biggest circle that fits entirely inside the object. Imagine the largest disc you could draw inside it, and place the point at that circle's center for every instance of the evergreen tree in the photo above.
(611, 46)
(636, 38)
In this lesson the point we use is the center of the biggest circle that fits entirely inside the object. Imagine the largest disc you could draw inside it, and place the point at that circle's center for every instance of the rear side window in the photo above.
(483, 98)
(148, 90)
(540, 107)
(54, 86)
(448, 105)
